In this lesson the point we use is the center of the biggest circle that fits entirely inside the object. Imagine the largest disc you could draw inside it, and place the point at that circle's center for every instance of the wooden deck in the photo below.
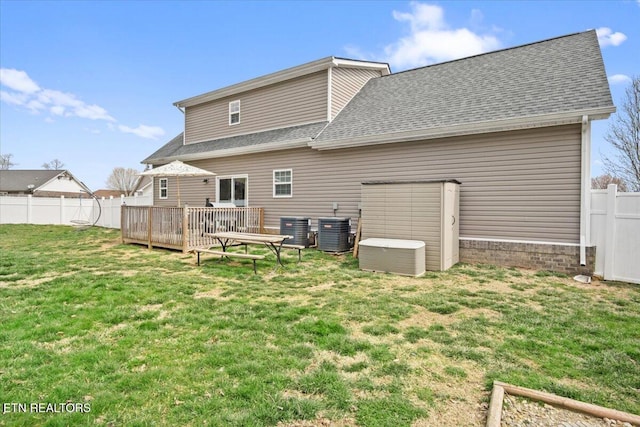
(185, 228)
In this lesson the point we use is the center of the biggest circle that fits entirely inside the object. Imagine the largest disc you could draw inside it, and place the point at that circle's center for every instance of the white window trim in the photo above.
(238, 112)
(246, 188)
(161, 187)
(282, 196)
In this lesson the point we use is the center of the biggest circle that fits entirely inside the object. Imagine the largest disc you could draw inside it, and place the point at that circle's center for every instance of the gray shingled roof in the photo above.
(19, 180)
(175, 148)
(558, 75)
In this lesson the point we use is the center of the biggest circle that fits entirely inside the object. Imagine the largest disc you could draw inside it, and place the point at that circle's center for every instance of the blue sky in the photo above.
(93, 83)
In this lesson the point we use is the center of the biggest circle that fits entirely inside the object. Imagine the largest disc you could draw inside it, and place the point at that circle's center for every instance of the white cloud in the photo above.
(13, 98)
(17, 80)
(606, 37)
(57, 110)
(143, 131)
(431, 39)
(619, 79)
(92, 112)
(24, 92)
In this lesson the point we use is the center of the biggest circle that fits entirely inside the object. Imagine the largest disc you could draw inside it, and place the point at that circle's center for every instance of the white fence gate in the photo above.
(64, 211)
(615, 231)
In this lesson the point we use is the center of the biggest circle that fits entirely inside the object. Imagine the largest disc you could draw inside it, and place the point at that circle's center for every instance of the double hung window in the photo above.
(283, 183)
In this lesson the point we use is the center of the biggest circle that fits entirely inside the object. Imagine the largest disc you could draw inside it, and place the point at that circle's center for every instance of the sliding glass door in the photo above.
(232, 189)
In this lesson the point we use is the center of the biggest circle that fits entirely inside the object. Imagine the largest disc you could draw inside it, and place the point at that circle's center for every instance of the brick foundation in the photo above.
(537, 256)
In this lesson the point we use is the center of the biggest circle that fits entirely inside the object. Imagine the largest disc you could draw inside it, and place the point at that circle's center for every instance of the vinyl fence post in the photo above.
(29, 207)
(610, 235)
(114, 212)
(61, 209)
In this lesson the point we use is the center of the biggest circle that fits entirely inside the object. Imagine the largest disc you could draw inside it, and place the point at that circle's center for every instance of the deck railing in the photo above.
(185, 228)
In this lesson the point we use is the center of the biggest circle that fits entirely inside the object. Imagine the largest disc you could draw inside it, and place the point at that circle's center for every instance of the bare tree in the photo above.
(54, 164)
(624, 136)
(123, 179)
(5, 161)
(602, 182)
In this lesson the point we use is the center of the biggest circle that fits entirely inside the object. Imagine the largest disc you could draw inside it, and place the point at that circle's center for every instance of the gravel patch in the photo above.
(521, 412)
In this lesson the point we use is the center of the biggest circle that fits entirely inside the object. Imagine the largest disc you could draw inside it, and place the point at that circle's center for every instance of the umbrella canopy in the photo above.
(177, 169)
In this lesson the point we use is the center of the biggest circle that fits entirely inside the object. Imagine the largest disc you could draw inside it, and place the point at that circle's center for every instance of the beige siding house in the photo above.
(512, 126)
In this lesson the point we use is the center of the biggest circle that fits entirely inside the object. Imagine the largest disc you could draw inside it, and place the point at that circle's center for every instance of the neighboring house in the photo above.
(144, 186)
(513, 126)
(108, 193)
(41, 183)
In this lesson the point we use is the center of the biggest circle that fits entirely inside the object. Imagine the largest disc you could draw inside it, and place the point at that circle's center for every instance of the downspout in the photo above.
(585, 193)
(329, 89)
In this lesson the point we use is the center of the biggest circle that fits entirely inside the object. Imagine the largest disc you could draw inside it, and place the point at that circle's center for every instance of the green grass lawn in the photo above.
(141, 337)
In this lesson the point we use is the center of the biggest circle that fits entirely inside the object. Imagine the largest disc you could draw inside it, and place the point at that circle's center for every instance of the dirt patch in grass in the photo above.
(321, 422)
(424, 318)
(162, 314)
(215, 293)
(32, 283)
(458, 393)
(61, 346)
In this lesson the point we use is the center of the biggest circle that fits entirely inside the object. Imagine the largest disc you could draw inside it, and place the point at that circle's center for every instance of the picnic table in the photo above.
(232, 238)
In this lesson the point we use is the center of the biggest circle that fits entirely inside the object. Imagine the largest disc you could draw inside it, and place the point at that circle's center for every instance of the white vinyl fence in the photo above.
(615, 231)
(615, 223)
(66, 211)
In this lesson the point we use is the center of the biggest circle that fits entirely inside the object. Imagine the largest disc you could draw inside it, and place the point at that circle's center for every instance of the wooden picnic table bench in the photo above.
(298, 247)
(222, 254)
(271, 241)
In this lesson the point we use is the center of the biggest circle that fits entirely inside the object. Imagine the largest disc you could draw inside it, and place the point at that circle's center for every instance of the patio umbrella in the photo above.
(177, 169)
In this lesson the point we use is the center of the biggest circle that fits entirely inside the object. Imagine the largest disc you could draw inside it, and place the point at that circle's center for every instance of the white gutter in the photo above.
(542, 120)
(585, 187)
(251, 149)
(383, 67)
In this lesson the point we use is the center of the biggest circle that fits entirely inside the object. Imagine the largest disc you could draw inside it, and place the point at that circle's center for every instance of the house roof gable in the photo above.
(19, 180)
(283, 75)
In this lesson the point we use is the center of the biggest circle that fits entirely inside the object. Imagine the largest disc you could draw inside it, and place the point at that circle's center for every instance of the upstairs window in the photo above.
(163, 188)
(283, 183)
(234, 112)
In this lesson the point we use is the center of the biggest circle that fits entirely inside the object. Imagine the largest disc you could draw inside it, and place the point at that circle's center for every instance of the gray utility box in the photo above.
(405, 257)
(298, 227)
(333, 234)
(415, 210)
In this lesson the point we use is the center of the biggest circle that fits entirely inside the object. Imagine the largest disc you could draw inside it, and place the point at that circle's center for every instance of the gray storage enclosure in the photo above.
(333, 234)
(298, 227)
(405, 257)
(415, 210)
